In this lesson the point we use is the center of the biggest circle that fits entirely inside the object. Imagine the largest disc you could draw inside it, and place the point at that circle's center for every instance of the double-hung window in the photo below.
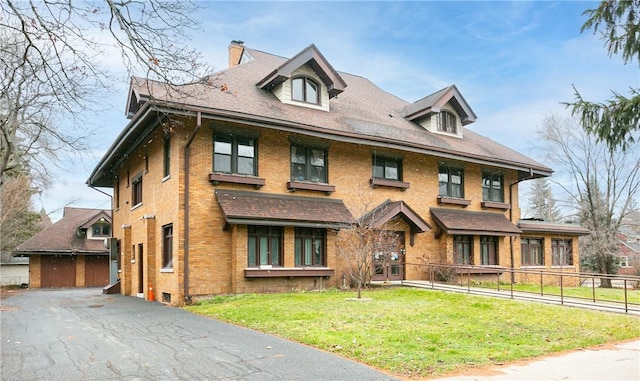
(492, 187)
(264, 247)
(308, 164)
(488, 250)
(167, 246)
(451, 182)
(234, 154)
(463, 249)
(305, 89)
(309, 247)
(167, 156)
(561, 252)
(387, 168)
(136, 190)
(531, 252)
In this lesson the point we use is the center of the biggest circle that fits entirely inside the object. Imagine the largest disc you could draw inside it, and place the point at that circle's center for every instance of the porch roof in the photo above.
(388, 210)
(454, 221)
(534, 226)
(254, 208)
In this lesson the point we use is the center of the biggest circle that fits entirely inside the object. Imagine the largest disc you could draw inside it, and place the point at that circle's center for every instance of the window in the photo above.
(308, 164)
(492, 187)
(167, 246)
(531, 252)
(136, 190)
(387, 168)
(167, 155)
(116, 195)
(309, 247)
(305, 89)
(451, 182)
(561, 252)
(623, 261)
(101, 230)
(463, 249)
(264, 246)
(234, 154)
(488, 250)
(447, 122)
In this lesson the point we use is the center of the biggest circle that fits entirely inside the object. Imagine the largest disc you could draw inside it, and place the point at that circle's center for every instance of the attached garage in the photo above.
(96, 271)
(57, 271)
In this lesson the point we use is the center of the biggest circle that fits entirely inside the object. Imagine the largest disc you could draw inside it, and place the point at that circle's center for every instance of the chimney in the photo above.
(235, 52)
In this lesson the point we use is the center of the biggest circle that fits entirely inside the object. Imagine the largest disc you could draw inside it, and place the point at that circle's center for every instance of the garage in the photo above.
(96, 271)
(58, 271)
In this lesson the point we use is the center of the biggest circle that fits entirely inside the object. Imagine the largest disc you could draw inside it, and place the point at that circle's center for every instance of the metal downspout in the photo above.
(187, 164)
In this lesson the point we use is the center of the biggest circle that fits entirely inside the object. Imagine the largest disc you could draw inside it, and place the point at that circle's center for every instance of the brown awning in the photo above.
(256, 208)
(533, 226)
(454, 221)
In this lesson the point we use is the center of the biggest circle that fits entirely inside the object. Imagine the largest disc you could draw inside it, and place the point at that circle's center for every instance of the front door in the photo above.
(388, 264)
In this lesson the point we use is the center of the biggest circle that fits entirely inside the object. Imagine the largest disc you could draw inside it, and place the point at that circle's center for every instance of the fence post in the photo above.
(561, 290)
(541, 284)
(626, 303)
(469, 281)
(593, 288)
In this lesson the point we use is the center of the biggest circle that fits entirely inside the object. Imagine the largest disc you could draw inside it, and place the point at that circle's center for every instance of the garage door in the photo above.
(96, 271)
(58, 271)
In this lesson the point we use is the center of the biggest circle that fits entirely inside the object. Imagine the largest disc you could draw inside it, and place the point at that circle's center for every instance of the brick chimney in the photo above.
(235, 52)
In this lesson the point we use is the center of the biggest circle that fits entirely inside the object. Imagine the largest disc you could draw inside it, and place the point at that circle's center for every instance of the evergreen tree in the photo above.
(542, 205)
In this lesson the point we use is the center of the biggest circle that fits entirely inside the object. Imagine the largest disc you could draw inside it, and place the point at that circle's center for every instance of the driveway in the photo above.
(82, 334)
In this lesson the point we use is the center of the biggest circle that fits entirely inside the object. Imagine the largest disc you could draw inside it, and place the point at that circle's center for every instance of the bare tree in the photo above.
(366, 239)
(600, 183)
(52, 55)
(17, 221)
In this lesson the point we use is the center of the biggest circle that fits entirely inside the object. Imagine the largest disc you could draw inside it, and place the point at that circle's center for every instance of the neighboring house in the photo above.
(14, 271)
(247, 187)
(71, 252)
(628, 251)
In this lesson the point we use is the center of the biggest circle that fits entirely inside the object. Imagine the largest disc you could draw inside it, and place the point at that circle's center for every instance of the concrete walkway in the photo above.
(618, 362)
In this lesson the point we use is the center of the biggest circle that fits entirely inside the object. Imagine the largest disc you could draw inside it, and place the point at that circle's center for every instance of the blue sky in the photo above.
(514, 62)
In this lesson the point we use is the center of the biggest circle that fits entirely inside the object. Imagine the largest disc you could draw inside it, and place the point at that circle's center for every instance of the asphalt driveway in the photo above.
(82, 334)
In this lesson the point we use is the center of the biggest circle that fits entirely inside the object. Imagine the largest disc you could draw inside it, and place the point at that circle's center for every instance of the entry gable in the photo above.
(389, 210)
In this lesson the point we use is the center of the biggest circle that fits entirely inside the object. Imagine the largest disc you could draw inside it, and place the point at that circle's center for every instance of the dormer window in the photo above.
(101, 230)
(447, 122)
(305, 89)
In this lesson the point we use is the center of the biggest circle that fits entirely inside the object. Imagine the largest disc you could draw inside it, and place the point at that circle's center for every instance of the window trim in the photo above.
(234, 155)
(491, 176)
(102, 225)
(446, 115)
(136, 190)
(567, 245)
(166, 155)
(528, 244)
(466, 240)
(488, 241)
(449, 184)
(316, 235)
(271, 232)
(305, 79)
(308, 165)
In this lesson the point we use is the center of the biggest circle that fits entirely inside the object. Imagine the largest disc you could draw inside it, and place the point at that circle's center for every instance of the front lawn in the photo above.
(417, 332)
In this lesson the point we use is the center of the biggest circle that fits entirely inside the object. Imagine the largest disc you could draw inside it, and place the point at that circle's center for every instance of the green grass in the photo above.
(414, 332)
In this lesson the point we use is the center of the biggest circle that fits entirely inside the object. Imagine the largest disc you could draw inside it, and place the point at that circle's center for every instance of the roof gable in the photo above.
(311, 56)
(433, 103)
(388, 210)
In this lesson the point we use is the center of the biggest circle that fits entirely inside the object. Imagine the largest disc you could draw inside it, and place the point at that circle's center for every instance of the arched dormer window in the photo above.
(305, 89)
(447, 122)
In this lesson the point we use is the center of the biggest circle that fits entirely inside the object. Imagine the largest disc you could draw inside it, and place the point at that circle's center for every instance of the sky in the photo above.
(513, 62)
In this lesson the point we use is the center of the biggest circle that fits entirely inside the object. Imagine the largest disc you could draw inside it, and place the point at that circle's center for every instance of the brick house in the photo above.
(71, 252)
(628, 251)
(247, 186)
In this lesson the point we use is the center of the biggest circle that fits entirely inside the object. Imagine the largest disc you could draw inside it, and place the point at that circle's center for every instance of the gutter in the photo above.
(187, 161)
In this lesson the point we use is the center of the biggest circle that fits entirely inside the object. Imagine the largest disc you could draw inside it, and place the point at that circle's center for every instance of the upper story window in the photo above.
(451, 182)
(447, 122)
(136, 190)
(234, 154)
(309, 247)
(305, 89)
(101, 230)
(308, 164)
(561, 252)
(167, 156)
(387, 168)
(492, 187)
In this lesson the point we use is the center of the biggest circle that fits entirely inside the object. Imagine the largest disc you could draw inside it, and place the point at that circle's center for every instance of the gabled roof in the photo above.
(389, 210)
(62, 236)
(362, 114)
(433, 103)
(456, 221)
(253, 208)
(312, 56)
(536, 226)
